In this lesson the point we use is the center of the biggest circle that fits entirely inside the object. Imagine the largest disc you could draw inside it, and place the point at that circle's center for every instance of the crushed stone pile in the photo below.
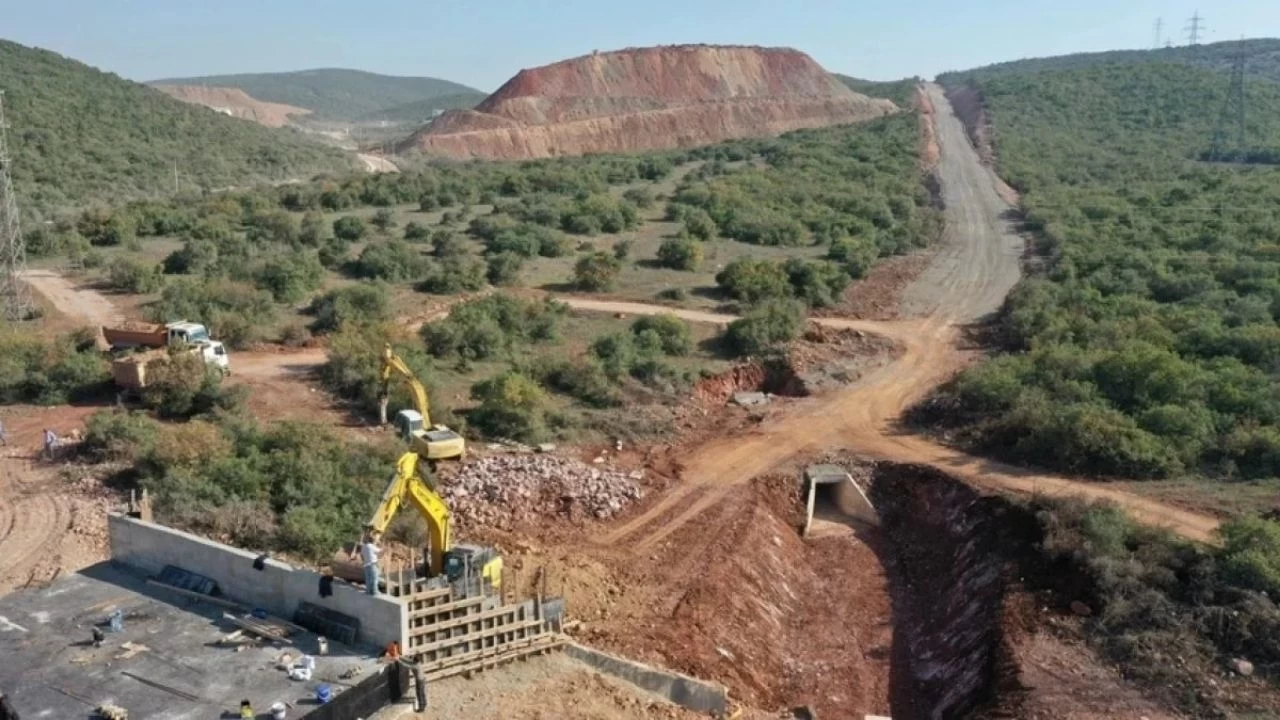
(498, 490)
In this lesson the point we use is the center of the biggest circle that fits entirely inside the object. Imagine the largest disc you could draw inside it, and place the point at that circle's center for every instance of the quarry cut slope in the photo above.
(234, 102)
(648, 99)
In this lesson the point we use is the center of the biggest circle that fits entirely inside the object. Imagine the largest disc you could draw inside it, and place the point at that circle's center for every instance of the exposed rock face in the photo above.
(234, 102)
(647, 99)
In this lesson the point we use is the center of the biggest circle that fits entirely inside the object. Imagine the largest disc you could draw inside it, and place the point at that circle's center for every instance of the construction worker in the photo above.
(4, 436)
(50, 443)
(369, 552)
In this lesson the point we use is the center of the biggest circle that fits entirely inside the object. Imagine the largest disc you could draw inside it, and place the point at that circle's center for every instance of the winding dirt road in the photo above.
(969, 278)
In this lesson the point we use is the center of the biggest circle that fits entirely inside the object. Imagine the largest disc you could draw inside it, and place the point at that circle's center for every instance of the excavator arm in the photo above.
(409, 486)
(391, 363)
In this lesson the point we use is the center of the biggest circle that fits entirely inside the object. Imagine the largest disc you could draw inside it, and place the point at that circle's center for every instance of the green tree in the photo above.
(349, 228)
(504, 268)
(680, 254)
(753, 281)
(765, 327)
(596, 272)
(384, 220)
(511, 406)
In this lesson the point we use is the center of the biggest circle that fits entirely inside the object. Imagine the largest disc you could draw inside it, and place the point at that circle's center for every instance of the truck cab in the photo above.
(188, 333)
(215, 354)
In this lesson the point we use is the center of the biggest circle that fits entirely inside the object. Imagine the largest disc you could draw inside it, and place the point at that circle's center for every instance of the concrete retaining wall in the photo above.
(697, 695)
(277, 588)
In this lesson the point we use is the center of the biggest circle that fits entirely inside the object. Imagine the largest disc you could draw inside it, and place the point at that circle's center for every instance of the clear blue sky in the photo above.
(483, 43)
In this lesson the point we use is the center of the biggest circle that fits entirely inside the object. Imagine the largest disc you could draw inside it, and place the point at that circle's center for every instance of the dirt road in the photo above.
(377, 163)
(73, 300)
(968, 279)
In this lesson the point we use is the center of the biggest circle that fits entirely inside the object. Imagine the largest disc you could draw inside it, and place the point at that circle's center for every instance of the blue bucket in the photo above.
(324, 693)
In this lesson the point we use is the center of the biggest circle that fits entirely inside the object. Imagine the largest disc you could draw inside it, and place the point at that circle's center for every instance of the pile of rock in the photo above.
(500, 489)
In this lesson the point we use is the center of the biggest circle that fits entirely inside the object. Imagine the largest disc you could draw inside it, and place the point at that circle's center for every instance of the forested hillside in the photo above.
(333, 93)
(1263, 59)
(77, 135)
(422, 111)
(1149, 346)
(899, 91)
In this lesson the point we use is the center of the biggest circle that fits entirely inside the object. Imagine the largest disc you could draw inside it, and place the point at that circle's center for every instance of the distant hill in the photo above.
(421, 111)
(332, 93)
(1263, 59)
(639, 99)
(78, 134)
(899, 91)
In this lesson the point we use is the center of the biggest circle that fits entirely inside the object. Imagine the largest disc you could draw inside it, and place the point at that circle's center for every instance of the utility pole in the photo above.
(1195, 27)
(1233, 112)
(1159, 27)
(14, 293)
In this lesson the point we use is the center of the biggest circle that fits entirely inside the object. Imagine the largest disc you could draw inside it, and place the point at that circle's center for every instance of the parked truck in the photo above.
(134, 372)
(129, 335)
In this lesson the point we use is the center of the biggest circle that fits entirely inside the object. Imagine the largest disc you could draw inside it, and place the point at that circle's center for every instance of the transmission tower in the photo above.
(1159, 28)
(14, 293)
(1233, 111)
(1195, 27)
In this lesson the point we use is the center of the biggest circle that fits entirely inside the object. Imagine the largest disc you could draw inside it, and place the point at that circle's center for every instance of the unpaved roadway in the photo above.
(971, 275)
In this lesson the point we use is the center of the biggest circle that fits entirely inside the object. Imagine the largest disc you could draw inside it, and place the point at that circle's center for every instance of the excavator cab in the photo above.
(438, 443)
(462, 558)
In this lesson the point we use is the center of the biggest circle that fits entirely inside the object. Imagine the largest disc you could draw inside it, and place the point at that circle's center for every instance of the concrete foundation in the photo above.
(691, 693)
(277, 588)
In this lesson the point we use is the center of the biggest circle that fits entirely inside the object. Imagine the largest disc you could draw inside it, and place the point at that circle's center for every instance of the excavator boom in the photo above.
(391, 363)
(431, 442)
(409, 486)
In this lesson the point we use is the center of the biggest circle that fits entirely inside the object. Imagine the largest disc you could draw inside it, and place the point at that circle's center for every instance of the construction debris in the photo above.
(499, 489)
(107, 711)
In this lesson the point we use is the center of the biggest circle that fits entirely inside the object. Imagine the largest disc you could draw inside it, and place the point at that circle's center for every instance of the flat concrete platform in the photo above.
(50, 669)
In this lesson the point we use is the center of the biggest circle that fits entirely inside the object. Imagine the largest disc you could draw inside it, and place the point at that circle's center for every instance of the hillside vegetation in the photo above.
(1263, 59)
(1148, 347)
(899, 91)
(79, 135)
(334, 93)
(422, 111)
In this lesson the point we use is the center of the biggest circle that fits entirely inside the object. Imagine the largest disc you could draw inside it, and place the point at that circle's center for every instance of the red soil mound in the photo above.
(234, 102)
(648, 99)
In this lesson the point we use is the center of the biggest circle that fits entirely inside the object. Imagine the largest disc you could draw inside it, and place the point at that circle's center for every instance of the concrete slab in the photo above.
(51, 670)
(750, 399)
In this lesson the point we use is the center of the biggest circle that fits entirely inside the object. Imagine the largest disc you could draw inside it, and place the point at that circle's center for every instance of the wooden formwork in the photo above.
(453, 632)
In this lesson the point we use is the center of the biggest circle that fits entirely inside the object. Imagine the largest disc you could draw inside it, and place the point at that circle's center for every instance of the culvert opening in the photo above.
(945, 550)
(772, 377)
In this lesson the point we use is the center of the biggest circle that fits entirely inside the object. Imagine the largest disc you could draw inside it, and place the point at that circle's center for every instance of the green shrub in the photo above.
(642, 197)
(415, 232)
(596, 272)
(290, 277)
(184, 386)
(353, 368)
(312, 230)
(349, 228)
(680, 254)
(855, 255)
(504, 268)
(698, 224)
(511, 406)
(234, 312)
(675, 335)
(766, 326)
(1251, 554)
(616, 354)
(384, 220)
(391, 260)
(446, 243)
(585, 381)
(195, 257)
(118, 436)
(453, 275)
(754, 281)
(484, 327)
(622, 249)
(134, 276)
(817, 282)
(363, 304)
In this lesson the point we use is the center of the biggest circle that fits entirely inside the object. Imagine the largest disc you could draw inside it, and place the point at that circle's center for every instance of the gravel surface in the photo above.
(500, 489)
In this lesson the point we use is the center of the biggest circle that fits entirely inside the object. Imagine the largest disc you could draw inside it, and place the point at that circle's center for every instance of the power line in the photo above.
(1233, 111)
(14, 293)
(1195, 27)
(1159, 27)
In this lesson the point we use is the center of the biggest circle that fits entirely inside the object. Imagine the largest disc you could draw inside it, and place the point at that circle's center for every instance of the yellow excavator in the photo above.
(413, 483)
(454, 562)
(431, 442)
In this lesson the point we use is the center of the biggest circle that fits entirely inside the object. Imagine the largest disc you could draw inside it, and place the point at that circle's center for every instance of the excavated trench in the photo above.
(776, 377)
(949, 555)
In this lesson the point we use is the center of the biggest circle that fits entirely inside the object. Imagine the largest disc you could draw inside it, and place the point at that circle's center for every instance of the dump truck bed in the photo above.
(134, 333)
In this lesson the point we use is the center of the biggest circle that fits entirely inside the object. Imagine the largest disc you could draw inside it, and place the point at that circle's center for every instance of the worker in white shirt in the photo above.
(369, 553)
